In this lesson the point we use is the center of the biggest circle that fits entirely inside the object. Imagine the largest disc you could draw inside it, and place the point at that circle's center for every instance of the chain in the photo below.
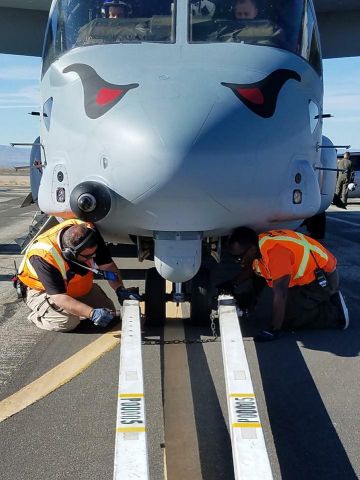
(213, 326)
(184, 341)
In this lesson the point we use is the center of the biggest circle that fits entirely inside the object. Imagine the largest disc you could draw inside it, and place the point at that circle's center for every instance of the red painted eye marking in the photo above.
(107, 95)
(254, 95)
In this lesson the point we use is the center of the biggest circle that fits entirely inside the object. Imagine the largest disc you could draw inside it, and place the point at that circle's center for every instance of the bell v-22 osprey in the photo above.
(176, 121)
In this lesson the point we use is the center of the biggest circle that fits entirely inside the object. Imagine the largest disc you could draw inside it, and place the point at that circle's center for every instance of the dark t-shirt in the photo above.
(51, 277)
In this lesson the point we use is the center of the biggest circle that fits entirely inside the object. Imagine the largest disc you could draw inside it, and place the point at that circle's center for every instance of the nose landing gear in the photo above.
(201, 298)
(197, 291)
(155, 299)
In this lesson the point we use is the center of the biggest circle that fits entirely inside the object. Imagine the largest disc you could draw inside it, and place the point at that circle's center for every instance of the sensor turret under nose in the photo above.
(87, 202)
(178, 255)
(90, 201)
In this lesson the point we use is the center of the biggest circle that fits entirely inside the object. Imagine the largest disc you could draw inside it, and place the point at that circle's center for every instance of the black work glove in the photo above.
(127, 294)
(267, 335)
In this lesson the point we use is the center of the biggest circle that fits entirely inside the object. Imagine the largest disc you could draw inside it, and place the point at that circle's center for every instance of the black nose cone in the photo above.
(90, 201)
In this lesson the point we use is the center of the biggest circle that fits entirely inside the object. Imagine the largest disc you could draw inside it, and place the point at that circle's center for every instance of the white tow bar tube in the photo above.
(131, 456)
(251, 461)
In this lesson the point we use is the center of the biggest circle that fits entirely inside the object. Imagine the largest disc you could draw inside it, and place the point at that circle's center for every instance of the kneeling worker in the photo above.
(302, 274)
(57, 270)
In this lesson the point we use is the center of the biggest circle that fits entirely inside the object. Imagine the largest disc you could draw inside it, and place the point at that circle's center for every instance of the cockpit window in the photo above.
(79, 23)
(288, 24)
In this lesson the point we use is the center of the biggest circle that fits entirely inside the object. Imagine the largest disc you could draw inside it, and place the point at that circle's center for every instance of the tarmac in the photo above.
(305, 384)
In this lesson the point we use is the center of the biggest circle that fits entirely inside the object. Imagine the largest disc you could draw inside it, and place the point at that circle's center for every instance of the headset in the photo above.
(116, 3)
(71, 253)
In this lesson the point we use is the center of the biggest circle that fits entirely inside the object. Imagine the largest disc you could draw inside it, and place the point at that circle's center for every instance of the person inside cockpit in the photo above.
(245, 10)
(249, 24)
(202, 8)
(116, 9)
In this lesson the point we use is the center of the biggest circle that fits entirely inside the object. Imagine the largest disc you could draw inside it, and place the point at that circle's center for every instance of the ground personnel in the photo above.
(56, 269)
(301, 273)
(345, 177)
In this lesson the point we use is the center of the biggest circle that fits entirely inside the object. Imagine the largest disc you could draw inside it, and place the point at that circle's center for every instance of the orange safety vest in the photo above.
(46, 246)
(309, 256)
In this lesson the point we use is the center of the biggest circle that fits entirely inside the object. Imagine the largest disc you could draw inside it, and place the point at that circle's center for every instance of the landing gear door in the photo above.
(35, 169)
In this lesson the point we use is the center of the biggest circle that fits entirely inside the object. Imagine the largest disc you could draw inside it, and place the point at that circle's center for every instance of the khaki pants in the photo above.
(46, 315)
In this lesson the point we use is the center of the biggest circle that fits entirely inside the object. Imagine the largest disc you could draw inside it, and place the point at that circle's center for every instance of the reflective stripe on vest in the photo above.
(38, 245)
(26, 261)
(52, 251)
(31, 269)
(308, 248)
(46, 246)
(22, 265)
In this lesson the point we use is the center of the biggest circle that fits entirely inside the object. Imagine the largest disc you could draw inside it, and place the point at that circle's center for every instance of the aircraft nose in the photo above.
(173, 131)
(150, 147)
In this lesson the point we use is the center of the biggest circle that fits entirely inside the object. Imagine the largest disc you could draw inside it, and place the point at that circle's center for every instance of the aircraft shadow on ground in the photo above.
(306, 442)
(212, 433)
(6, 278)
(305, 439)
(9, 249)
(213, 436)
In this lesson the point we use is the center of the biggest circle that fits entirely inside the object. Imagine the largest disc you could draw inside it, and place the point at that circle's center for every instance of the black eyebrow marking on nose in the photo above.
(99, 96)
(268, 89)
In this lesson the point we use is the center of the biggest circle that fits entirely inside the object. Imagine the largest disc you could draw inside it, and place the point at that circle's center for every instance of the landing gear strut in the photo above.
(201, 299)
(197, 292)
(155, 299)
(316, 225)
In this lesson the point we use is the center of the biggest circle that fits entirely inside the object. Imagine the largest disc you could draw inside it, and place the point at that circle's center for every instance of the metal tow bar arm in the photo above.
(250, 457)
(131, 456)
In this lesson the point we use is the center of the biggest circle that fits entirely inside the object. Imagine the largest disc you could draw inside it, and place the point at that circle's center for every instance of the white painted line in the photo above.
(251, 461)
(131, 456)
(354, 224)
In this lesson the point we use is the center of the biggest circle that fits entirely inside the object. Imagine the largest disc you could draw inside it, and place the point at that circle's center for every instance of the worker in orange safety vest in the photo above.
(302, 274)
(57, 276)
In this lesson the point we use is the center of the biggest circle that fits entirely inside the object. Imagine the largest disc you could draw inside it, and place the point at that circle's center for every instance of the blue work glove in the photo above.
(101, 317)
(267, 335)
(127, 294)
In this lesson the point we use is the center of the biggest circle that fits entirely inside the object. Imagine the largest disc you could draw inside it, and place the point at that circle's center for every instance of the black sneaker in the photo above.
(338, 300)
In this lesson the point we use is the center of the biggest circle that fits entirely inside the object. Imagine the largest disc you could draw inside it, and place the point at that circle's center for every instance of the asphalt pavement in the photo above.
(305, 384)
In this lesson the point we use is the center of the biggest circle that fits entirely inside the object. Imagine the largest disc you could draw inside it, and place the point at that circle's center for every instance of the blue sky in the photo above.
(19, 94)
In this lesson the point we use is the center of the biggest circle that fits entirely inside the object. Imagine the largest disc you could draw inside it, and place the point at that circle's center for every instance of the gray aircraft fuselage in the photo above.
(183, 141)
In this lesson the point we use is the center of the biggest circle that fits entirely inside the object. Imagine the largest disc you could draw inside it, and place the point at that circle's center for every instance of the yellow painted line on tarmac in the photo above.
(59, 375)
(173, 310)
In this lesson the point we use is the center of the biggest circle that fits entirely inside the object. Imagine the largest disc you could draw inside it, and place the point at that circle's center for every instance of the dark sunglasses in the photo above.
(87, 256)
(92, 255)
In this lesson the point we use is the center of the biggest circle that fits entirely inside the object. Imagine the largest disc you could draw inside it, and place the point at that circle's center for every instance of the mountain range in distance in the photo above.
(14, 156)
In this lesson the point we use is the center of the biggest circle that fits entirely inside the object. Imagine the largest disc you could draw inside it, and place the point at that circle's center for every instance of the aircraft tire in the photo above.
(155, 299)
(201, 300)
(316, 226)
